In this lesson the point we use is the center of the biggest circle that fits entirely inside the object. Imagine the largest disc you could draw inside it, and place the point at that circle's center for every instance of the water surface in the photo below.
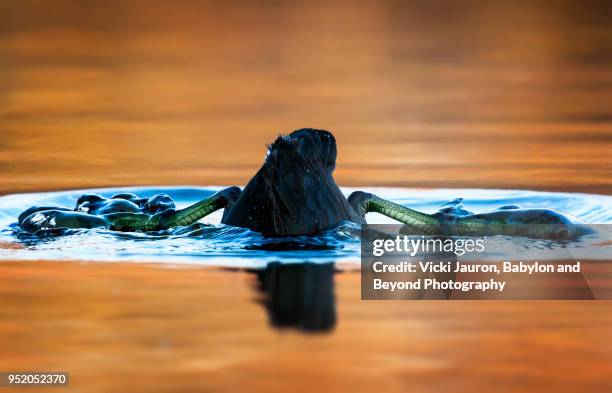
(419, 94)
(218, 244)
(468, 95)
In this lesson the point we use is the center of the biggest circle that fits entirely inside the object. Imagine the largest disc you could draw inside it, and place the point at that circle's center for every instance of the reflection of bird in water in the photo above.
(299, 295)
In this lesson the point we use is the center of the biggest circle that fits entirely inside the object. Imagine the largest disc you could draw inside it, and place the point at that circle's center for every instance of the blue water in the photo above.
(217, 244)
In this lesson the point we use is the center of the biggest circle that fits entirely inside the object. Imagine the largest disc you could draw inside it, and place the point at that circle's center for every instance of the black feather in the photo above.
(294, 192)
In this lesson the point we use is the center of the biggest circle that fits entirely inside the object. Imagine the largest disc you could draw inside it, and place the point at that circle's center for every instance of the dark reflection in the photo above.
(299, 295)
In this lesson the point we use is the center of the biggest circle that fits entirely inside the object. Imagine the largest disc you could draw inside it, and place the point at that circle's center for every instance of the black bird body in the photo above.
(294, 192)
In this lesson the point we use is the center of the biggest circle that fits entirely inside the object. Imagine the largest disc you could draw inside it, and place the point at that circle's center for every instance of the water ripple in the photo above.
(218, 244)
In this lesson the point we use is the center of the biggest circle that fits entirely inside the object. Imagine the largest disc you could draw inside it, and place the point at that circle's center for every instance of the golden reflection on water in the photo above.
(441, 94)
(134, 327)
(424, 94)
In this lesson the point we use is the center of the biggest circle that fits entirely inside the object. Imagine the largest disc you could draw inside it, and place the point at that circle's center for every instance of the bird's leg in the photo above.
(197, 211)
(533, 223)
(364, 203)
(428, 224)
(172, 218)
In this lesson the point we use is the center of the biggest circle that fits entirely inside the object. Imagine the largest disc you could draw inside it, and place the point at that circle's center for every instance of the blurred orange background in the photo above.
(513, 94)
(422, 94)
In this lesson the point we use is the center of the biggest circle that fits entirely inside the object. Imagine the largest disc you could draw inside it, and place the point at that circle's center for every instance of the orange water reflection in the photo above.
(438, 95)
(133, 327)
(424, 94)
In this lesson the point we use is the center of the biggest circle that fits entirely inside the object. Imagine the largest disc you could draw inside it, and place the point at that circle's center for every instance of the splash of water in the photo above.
(216, 244)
